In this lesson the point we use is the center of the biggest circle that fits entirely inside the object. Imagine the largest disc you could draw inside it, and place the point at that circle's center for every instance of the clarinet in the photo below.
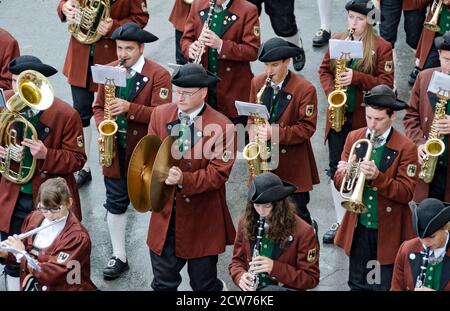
(423, 267)
(256, 251)
(206, 26)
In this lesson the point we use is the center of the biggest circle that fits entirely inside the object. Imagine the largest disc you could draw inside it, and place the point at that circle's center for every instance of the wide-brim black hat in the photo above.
(429, 216)
(268, 187)
(276, 49)
(28, 62)
(193, 75)
(383, 96)
(360, 6)
(443, 42)
(132, 32)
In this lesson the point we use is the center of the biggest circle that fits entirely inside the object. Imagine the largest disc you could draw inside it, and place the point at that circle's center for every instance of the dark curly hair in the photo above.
(282, 222)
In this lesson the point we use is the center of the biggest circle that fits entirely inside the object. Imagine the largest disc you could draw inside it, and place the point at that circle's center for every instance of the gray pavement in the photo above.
(36, 26)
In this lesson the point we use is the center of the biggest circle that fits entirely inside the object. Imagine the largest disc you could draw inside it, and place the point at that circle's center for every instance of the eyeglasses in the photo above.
(186, 94)
(44, 209)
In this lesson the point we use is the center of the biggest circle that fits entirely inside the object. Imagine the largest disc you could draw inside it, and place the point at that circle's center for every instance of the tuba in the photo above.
(434, 146)
(206, 26)
(36, 92)
(255, 153)
(354, 180)
(107, 129)
(433, 23)
(91, 13)
(337, 99)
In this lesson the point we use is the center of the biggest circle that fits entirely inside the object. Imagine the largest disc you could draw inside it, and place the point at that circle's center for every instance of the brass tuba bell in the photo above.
(36, 92)
(433, 23)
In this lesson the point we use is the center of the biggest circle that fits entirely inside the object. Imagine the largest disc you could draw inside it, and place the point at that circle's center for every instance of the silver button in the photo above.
(106, 46)
(138, 83)
(369, 215)
(199, 134)
(135, 132)
(370, 197)
(233, 17)
(369, 223)
(132, 117)
(224, 56)
(388, 209)
(289, 97)
(47, 130)
(202, 13)
(431, 268)
(388, 157)
(145, 79)
(187, 200)
(375, 189)
(412, 256)
(430, 278)
(228, 69)
(369, 206)
(123, 121)
(169, 127)
(44, 288)
(283, 151)
(215, 23)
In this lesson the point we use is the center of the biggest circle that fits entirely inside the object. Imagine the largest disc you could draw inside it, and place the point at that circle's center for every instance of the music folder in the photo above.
(439, 84)
(102, 74)
(251, 109)
(347, 48)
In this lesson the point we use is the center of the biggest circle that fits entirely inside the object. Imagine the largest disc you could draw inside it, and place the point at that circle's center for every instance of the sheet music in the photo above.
(440, 84)
(101, 74)
(350, 49)
(251, 109)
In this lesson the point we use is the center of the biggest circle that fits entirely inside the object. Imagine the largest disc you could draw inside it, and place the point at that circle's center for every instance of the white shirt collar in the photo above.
(383, 137)
(439, 252)
(193, 114)
(138, 65)
(46, 237)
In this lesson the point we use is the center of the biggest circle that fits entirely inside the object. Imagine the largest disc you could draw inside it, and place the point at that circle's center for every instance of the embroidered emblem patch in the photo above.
(62, 257)
(80, 141)
(163, 93)
(312, 253)
(388, 66)
(309, 110)
(256, 31)
(226, 156)
(411, 170)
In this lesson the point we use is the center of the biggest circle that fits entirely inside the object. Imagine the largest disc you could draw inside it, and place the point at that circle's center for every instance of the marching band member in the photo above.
(324, 34)
(80, 57)
(58, 149)
(390, 180)
(195, 225)
(9, 49)
(376, 67)
(60, 249)
(288, 252)
(292, 103)
(418, 120)
(178, 17)
(231, 43)
(431, 222)
(148, 85)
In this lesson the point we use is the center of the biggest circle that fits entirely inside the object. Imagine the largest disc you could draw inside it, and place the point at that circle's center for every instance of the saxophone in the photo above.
(434, 146)
(337, 99)
(108, 127)
(256, 251)
(256, 153)
(206, 26)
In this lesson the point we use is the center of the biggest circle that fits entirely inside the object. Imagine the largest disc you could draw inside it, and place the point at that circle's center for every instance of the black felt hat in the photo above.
(429, 216)
(443, 42)
(193, 75)
(268, 187)
(132, 32)
(28, 62)
(276, 49)
(383, 96)
(360, 6)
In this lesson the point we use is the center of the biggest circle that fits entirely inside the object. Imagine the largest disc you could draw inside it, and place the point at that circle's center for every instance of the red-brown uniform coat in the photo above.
(294, 267)
(73, 240)
(179, 14)
(362, 81)
(411, 5)
(297, 124)
(77, 58)
(395, 189)
(60, 130)
(407, 267)
(417, 121)
(9, 50)
(203, 222)
(151, 88)
(240, 46)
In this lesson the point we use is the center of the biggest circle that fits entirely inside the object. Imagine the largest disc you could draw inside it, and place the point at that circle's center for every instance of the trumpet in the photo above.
(433, 23)
(354, 180)
(206, 26)
(337, 99)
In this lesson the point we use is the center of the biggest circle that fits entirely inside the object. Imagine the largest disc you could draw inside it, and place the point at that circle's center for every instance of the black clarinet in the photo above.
(256, 251)
(423, 267)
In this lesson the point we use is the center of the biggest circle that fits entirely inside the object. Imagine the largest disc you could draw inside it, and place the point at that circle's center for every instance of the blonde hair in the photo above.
(53, 193)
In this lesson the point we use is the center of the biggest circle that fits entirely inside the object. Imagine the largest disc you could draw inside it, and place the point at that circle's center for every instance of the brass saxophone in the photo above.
(206, 26)
(434, 146)
(337, 99)
(108, 127)
(256, 153)
(256, 251)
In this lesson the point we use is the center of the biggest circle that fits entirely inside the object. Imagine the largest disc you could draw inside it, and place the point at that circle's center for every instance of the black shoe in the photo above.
(413, 75)
(328, 237)
(115, 268)
(299, 61)
(321, 38)
(82, 177)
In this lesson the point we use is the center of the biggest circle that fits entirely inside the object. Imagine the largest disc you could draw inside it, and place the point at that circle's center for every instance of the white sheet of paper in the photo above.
(251, 109)
(102, 73)
(440, 84)
(351, 49)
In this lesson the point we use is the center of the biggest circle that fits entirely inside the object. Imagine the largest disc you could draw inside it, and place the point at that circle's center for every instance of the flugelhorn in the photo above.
(352, 186)
(433, 23)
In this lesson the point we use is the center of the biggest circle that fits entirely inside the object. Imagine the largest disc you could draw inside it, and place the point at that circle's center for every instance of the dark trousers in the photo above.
(83, 99)
(438, 184)
(166, 268)
(24, 206)
(432, 58)
(364, 250)
(178, 55)
(281, 14)
(301, 200)
(391, 13)
(117, 199)
(336, 142)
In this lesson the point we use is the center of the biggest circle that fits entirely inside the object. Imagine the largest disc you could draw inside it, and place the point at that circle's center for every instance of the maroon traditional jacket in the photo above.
(9, 50)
